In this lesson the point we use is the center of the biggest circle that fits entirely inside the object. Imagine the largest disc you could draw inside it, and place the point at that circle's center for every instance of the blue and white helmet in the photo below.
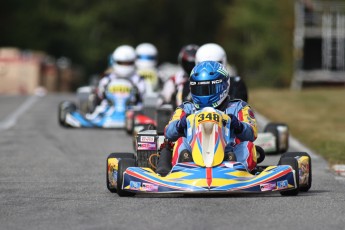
(209, 84)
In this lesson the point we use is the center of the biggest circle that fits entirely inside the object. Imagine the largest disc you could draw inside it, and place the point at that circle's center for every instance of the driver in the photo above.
(123, 65)
(209, 86)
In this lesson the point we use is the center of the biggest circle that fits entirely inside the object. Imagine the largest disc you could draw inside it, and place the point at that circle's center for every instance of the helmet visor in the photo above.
(128, 63)
(205, 88)
(146, 57)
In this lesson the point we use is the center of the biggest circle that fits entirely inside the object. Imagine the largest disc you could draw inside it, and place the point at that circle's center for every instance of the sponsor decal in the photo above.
(282, 184)
(149, 187)
(268, 186)
(146, 146)
(147, 139)
(217, 81)
(119, 89)
(203, 82)
(251, 114)
(134, 185)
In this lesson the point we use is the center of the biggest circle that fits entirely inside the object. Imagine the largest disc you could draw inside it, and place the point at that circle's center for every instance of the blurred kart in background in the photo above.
(109, 115)
(274, 139)
(142, 117)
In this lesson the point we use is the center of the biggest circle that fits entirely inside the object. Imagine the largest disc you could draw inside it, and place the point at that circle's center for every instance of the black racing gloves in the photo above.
(236, 124)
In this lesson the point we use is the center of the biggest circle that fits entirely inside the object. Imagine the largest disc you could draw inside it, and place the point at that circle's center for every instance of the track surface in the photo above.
(54, 178)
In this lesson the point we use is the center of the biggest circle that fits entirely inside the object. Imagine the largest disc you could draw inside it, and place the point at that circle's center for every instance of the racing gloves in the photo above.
(236, 124)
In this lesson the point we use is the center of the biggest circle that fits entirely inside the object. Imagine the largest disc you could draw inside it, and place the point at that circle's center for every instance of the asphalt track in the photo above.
(54, 178)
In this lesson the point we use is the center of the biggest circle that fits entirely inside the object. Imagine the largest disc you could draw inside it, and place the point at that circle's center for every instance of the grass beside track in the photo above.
(316, 117)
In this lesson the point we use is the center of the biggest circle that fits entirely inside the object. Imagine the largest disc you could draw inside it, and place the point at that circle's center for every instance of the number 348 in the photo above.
(208, 116)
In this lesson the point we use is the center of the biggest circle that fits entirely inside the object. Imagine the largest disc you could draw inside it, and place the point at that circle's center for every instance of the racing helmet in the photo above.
(123, 61)
(146, 55)
(209, 84)
(186, 57)
(211, 52)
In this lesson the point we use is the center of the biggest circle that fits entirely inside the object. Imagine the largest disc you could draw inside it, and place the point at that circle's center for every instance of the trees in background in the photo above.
(257, 35)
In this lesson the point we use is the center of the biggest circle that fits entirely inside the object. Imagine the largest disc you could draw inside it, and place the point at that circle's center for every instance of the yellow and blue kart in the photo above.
(128, 174)
(293, 173)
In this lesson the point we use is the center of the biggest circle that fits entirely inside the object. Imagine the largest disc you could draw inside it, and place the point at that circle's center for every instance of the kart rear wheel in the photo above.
(294, 164)
(282, 137)
(305, 170)
(117, 156)
(123, 165)
(260, 154)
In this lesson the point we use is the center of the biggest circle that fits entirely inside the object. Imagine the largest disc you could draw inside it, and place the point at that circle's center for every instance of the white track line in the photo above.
(11, 119)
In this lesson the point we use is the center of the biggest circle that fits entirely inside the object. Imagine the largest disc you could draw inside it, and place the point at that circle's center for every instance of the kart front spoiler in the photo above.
(229, 177)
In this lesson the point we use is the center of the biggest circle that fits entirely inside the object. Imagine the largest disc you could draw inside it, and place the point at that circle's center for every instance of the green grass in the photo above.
(316, 117)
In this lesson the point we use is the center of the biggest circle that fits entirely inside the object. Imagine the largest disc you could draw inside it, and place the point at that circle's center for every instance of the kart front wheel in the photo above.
(64, 108)
(304, 168)
(294, 164)
(123, 165)
(112, 169)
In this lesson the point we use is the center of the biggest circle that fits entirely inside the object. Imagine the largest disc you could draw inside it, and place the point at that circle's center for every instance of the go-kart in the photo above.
(210, 170)
(112, 115)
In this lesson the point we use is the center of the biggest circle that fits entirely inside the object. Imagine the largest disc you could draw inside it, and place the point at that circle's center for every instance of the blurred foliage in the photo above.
(257, 35)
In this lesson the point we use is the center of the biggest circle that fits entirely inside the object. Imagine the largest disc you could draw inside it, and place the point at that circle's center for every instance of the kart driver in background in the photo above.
(123, 65)
(243, 127)
(146, 63)
(176, 89)
(214, 52)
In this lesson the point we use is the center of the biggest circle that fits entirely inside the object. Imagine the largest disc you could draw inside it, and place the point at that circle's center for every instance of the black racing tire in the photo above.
(260, 152)
(297, 154)
(121, 156)
(294, 164)
(64, 108)
(123, 165)
(273, 128)
(129, 131)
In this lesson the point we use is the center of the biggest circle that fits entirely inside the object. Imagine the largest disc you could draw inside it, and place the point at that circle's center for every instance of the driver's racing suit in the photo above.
(240, 144)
